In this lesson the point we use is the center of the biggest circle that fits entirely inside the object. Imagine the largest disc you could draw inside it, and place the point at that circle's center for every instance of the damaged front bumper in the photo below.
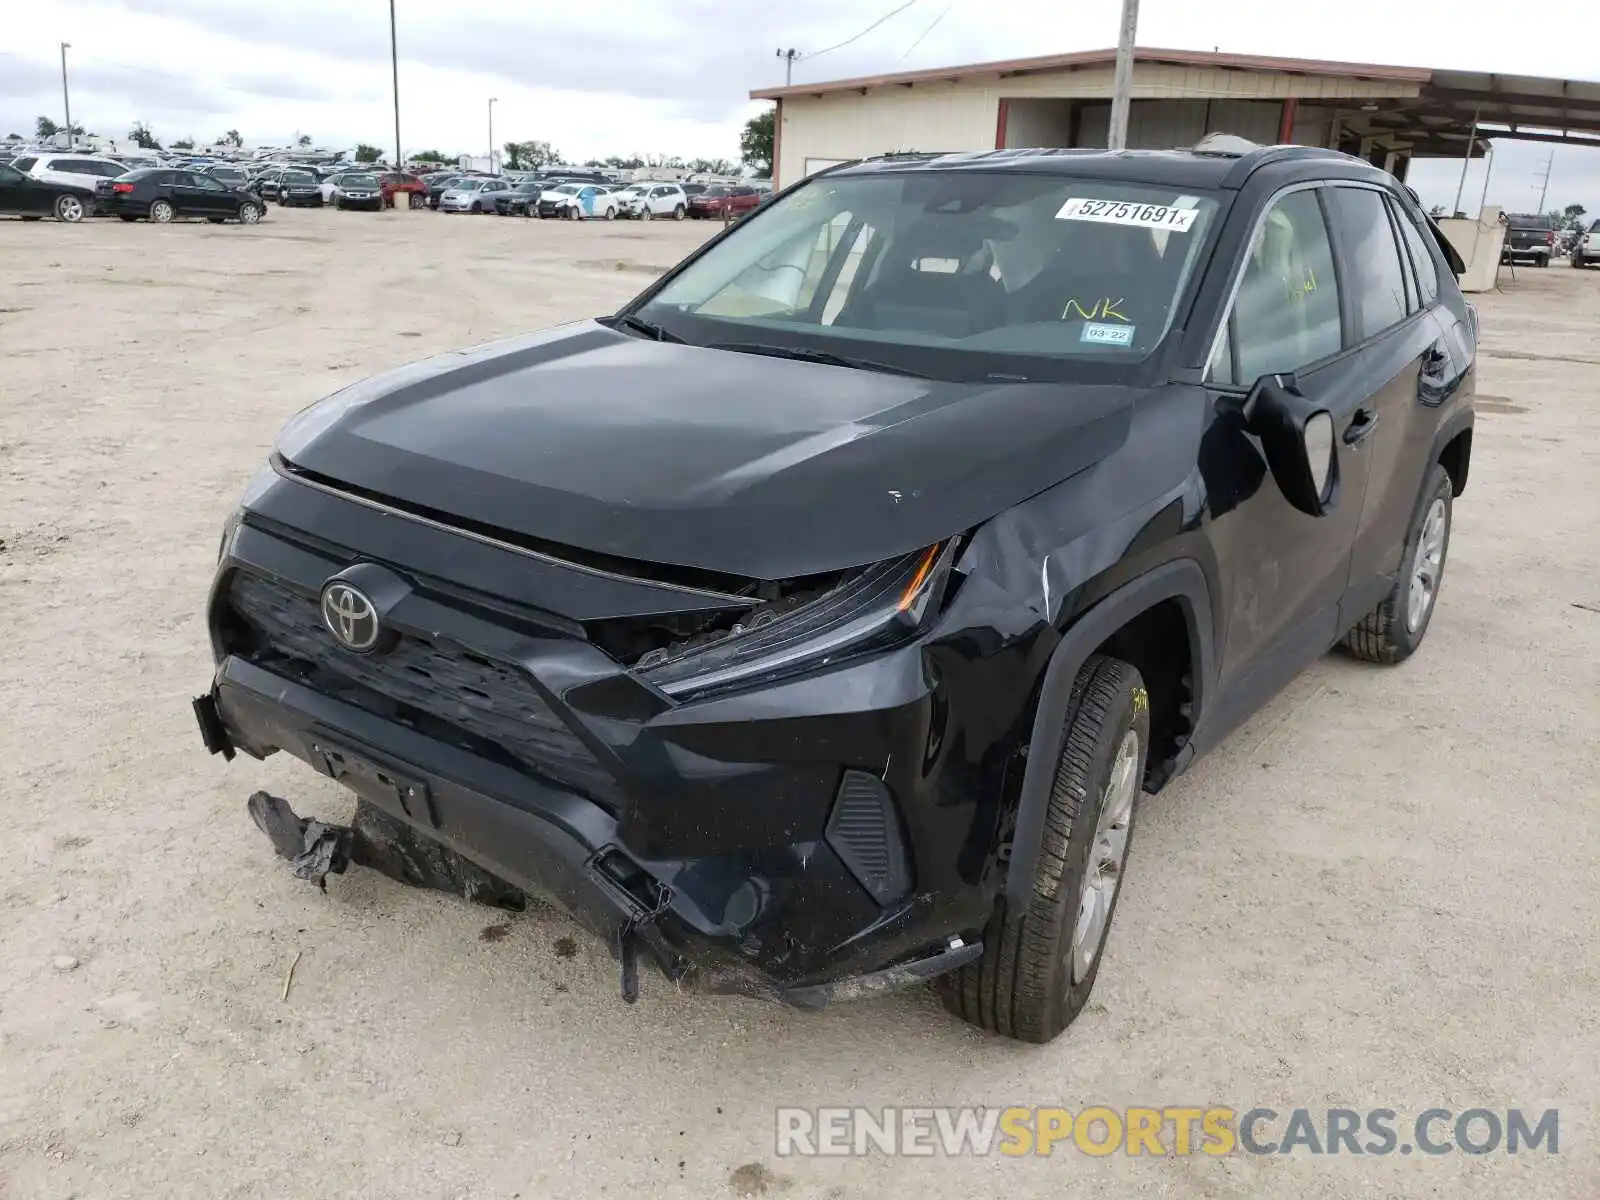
(697, 919)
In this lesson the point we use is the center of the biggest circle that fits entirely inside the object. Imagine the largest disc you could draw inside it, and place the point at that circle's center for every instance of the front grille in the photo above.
(443, 684)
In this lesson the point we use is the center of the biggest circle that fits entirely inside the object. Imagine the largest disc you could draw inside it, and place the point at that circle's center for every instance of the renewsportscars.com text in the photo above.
(1100, 1130)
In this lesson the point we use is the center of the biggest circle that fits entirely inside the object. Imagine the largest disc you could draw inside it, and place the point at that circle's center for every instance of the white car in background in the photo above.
(646, 201)
(79, 170)
(576, 201)
(332, 181)
(1586, 246)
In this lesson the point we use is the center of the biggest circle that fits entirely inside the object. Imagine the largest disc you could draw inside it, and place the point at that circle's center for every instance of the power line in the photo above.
(894, 12)
(931, 27)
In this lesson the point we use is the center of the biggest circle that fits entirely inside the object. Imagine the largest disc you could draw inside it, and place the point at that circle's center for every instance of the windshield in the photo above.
(568, 189)
(299, 177)
(998, 267)
(358, 181)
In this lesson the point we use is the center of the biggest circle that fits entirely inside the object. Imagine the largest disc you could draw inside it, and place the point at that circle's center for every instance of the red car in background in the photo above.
(721, 199)
(397, 183)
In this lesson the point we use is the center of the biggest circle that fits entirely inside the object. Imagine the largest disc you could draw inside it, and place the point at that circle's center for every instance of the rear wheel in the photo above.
(69, 209)
(418, 201)
(1040, 961)
(1391, 632)
(162, 212)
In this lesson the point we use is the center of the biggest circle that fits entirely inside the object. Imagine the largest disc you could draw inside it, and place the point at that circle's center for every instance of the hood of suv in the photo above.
(737, 463)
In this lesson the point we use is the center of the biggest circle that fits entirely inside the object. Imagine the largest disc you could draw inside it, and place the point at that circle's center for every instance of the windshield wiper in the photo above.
(640, 325)
(826, 357)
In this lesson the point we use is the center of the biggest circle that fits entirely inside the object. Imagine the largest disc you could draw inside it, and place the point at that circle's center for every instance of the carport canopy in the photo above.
(1440, 120)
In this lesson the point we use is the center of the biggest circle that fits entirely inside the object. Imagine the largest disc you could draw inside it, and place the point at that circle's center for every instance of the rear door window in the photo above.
(1427, 271)
(1378, 280)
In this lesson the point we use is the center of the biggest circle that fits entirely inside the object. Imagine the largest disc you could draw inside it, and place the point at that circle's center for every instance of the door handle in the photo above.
(1362, 424)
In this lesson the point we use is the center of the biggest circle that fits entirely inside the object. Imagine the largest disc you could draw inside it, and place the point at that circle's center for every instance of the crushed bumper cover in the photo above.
(691, 917)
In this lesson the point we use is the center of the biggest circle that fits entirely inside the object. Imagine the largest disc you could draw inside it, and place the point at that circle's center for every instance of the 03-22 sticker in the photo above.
(1128, 212)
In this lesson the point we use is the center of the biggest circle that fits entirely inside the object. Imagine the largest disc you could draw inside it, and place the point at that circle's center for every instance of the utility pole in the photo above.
(1122, 79)
(491, 134)
(394, 63)
(66, 98)
(1472, 144)
(1487, 174)
(1544, 185)
(789, 57)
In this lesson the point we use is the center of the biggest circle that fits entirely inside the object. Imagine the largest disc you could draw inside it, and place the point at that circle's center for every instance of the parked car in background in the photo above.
(79, 170)
(327, 185)
(163, 194)
(519, 200)
(22, 195)
(226, 175)
(576, 201)
(269, 180)
(471, 195)
(438, 185)
(1529, 237)
(299, 188)
(1586, 246)
(646, 201)
(694, 189)
(395, 184)
(720, 198)
(356, 189)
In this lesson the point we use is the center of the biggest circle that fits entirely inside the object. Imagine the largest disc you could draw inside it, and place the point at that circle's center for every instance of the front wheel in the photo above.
(162, 212)
(611, 214)
(69, 209)
(418, 201)
(1391, 632)
(249, 214)
(679, 213)
(572, 213)
(1039, 962)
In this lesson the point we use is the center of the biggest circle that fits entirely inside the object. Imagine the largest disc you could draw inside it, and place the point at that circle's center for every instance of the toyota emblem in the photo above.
(350, 617)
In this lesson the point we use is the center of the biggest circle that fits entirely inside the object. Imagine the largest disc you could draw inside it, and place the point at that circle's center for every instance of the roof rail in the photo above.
(1249, 164)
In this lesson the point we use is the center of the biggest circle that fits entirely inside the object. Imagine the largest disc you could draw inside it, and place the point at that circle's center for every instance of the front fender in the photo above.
(1182, 580)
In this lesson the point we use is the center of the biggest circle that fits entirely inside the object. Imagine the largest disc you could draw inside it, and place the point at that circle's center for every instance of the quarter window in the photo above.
(1286, 313)
(1378, 282)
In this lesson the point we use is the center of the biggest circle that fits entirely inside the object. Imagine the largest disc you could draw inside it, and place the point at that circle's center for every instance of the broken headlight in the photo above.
(872, 610)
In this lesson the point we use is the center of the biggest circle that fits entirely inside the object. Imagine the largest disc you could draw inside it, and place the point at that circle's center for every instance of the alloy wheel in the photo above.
(1427, 566)
(1108, 854)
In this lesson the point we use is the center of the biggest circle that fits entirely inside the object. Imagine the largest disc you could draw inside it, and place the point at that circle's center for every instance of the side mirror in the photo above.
(1297, 435)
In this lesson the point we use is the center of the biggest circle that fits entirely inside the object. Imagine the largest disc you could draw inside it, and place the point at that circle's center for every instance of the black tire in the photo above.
(1025, 986)
(162, 212)
(250, 213)
(572, 212)
(417, 201)
(679, 213)
(1390, 633)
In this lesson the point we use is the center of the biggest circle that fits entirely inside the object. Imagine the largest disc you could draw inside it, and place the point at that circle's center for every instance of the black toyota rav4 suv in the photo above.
(814, 623)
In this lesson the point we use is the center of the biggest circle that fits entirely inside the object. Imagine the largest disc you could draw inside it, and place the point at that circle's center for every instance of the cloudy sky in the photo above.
(599, 77)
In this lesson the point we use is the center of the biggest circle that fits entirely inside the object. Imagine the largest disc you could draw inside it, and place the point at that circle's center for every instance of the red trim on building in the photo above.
(1286, 125)
(777, 140)
(1000, 125)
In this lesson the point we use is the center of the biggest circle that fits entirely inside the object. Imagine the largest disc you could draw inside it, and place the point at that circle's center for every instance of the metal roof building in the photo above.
(1385, 114)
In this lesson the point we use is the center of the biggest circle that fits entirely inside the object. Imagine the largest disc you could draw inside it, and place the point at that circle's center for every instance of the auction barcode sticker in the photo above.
(1128, 212)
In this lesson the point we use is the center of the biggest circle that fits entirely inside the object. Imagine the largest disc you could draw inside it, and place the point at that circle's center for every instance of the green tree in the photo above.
(432, 156)
(141, 137)
(1572, 215)
(631, 163)
(530, 156)
(305, 140)
(183, 144)
(368, 154)
(713, 166)
(756, 142)
(231, 138)
(44, 127)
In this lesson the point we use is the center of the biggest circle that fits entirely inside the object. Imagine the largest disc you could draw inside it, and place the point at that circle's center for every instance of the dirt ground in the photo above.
(1382, 892)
